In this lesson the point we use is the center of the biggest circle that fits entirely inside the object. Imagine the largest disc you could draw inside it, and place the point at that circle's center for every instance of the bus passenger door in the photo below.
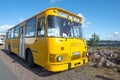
(21, 47)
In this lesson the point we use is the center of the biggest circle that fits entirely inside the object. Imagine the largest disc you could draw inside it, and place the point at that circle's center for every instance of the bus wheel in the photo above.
(9, 50)
(30, 59)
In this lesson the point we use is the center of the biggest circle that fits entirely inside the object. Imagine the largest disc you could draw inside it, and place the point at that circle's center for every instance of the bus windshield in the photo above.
(61, 27)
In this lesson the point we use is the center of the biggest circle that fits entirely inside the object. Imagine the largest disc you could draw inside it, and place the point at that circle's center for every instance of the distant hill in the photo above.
(109, 43)
(113, 43)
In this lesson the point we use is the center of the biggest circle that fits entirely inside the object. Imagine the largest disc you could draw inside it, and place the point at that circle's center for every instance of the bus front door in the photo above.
(21, 47)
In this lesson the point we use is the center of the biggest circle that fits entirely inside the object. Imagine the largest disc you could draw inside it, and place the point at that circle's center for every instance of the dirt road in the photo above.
(5, 73)
(86, 72)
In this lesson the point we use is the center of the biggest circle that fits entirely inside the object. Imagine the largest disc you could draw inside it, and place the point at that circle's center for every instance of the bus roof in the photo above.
(66, 11)
(51, 8)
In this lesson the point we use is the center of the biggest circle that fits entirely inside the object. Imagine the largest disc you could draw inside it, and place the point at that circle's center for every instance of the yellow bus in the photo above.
(51, 39)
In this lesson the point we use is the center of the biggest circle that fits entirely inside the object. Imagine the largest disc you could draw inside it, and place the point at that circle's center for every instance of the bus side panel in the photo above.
(15, 46)
(38, 47)
(42, 51)
(13, 43)
(31, 44)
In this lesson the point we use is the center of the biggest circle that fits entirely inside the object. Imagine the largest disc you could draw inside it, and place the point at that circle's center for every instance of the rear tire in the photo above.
(9, 50)
(30, 59)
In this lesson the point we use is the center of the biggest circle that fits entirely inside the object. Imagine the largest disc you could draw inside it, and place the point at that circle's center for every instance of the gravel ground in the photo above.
(86, 72)
(5, 73)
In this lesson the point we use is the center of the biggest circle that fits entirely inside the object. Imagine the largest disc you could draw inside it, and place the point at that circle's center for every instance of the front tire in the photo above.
(30, 59)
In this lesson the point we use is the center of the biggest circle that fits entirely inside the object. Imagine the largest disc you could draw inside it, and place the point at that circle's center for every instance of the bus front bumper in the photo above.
(66, 66)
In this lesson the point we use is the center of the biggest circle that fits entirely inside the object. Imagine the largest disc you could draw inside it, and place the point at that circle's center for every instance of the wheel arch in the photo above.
(26, 53)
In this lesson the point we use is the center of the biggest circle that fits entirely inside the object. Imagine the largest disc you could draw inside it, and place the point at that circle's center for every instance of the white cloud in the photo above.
(117, 34)
(85, 23)
(21, 19)
(55, 1)
(5, 27)
(110, 36)
(81, 15)
(88, 23)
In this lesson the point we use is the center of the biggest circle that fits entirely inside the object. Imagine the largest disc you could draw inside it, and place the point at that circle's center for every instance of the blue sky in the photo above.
(99, 16)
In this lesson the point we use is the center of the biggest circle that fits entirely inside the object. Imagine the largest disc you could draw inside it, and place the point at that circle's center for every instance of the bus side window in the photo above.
(9, 34)
(16, 32)
(31, 27)
(40, 29)
(12, 33)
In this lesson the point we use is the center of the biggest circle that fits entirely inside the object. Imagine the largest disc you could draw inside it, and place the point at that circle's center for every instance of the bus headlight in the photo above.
(87, 54)
(59, 58)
